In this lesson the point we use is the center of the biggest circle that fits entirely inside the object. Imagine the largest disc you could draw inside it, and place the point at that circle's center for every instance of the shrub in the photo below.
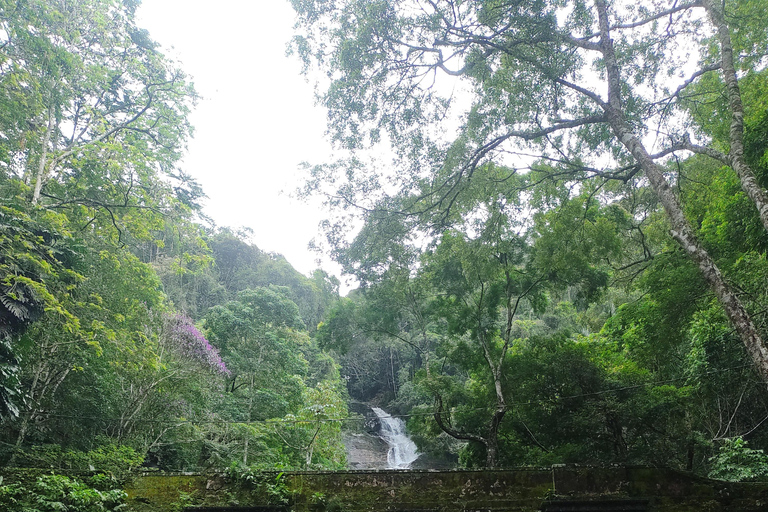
(737, 462)
(56, 493)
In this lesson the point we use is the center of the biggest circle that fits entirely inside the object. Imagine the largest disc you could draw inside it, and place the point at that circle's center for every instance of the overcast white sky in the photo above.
(257, 120)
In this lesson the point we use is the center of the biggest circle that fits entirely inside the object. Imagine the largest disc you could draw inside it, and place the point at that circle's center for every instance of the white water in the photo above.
(402, 450)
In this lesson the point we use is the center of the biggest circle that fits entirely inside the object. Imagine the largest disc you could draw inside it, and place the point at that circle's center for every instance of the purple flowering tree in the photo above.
(164, 388)
(182, 337)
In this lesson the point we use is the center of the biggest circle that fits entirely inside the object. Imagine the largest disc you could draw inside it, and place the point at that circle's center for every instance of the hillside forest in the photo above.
(556, 212)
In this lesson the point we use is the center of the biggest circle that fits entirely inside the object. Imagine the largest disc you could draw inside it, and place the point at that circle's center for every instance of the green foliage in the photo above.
(36, 277)
(269, 485)
(56, 493)
(100, 119)
(736, 462)
(325, 405)
(9, 381)
(241, 266)
(574, 240)
(543, 195)
(529, 291)
(100, 253)
(338, 330)
(34, 252)
(111, 458)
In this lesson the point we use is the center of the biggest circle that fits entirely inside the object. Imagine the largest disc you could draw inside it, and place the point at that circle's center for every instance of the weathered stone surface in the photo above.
(522, 490)
(365, 451)
(159, 492)
(427, 490)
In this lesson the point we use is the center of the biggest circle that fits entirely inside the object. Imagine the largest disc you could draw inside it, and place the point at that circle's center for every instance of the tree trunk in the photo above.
(44, 381)
(250, 413)
(492, 439)
(40, 176)
(308, 458)
(681, 230)
(392, 372)
(21, 437)
(450, 430)
(736, 133)
(683, 233)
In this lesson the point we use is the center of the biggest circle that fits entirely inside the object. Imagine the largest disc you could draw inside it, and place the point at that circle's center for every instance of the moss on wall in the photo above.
(423, 490)
(510, 490)
(156, 492)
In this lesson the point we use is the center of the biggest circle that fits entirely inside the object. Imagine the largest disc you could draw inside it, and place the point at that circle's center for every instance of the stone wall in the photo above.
(523, 490)
(423, 490)
(558, 489)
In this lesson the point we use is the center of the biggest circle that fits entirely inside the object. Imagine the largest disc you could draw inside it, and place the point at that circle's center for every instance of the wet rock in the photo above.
(371, 423)
(365, 451)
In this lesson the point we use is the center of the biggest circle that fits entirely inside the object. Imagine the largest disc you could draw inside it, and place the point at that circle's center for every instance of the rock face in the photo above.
(365, 451)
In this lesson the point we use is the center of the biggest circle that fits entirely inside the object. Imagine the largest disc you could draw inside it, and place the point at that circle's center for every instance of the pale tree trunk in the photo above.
(392, 371)
(45, 382)
(495, 365)
(681, 230)
(41, 167)
(489, 441)
(736, 133)
(425, 354)
(27, 417)
(492, 438)
(250, 411)
(311, 446)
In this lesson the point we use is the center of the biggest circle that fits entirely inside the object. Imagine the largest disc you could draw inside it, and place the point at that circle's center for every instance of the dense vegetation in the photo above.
(565, 258)
(536, 286)
(132, 332)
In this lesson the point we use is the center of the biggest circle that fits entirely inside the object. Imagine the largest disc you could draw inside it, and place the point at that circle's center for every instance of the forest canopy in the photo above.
(595, 222)
(561, 256)
(132, 331)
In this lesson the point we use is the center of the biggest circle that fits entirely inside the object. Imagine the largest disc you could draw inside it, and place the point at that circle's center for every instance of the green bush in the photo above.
(57, 493)
(110, 457)
(268, 486)
(737, 462)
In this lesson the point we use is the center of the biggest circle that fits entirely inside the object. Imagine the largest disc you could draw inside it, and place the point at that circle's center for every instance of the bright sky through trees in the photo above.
(256, 121)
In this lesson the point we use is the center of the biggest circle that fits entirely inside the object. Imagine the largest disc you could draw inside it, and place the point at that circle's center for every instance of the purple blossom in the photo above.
(190, 343)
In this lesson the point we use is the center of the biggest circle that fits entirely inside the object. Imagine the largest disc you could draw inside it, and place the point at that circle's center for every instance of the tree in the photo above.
(36, 276)
(257, 341)
(461, 302)
(484, 284)
(99, 112)
(103, 328)
(99, 244)
(595, 91)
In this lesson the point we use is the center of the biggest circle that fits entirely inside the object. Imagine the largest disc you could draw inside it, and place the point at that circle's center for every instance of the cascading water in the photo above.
(402, 450)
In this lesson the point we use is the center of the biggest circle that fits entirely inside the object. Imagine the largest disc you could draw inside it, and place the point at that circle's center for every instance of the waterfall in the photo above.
(402, 450)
